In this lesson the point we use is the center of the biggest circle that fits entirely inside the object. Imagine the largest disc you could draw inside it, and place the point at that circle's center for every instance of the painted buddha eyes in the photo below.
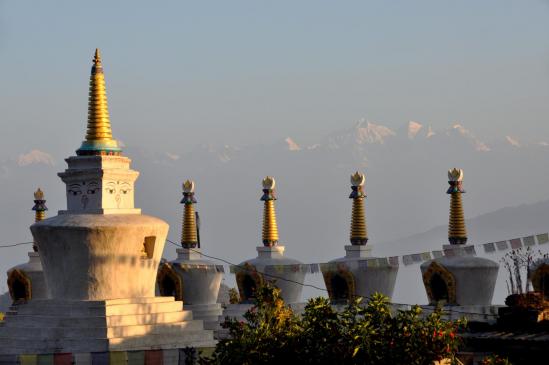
(77, 189)
(74, 189)
(123, 189)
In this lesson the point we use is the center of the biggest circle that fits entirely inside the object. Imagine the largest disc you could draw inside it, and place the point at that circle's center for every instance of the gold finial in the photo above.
(457, 233)
(270, 228)
(97, 57)
(455, 174)
(99, 139)
(188, 186)
(358, 179)
(268, 183)
(359, 231)
(189, 231)
(38, 194)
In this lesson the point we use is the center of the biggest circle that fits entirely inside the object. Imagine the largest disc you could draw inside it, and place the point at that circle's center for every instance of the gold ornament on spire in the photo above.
(359, 230)
(270, 228)
(99, 139)
(38, 194)
(39, 210)
(457, 233)
(189, 232)
(188, 186)
(455, 174)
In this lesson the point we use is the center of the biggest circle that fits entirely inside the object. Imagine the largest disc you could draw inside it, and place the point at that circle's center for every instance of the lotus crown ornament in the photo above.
(269, 183)
(358, 179)
(38, 195)
(188, 186)
(455, 175)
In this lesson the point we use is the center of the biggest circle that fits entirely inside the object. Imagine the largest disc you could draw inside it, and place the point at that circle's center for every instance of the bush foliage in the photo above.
(360, 334)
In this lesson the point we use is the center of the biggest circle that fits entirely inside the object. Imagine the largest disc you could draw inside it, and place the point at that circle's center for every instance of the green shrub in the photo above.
(368, 334)
(495, 360)
(234, 297)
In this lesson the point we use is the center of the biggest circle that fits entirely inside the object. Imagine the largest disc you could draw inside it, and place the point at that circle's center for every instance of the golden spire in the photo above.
(457, 234)
(270, 228)
(39, 210)
(189, 233)
(359, 231)
(99, 139)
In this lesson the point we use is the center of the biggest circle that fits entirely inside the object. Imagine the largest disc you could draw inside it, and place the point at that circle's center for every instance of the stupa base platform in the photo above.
(56, 326)
(208, 313)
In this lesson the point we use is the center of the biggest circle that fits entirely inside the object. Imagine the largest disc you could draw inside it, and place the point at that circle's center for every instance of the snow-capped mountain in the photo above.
(363, 132)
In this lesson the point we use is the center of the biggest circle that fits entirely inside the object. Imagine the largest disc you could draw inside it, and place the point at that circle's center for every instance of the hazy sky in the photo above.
(181, 73)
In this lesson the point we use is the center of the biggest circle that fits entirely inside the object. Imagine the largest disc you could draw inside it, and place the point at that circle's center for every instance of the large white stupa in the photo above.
(100, 258)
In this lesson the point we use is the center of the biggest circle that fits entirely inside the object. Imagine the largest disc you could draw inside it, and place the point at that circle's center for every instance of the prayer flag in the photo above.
(438, 254)
(489, 247)
(470, 251)
(543, 238)
(502, 245)
(515, 243)
(529, 241)
(393, 260)
(407, 260)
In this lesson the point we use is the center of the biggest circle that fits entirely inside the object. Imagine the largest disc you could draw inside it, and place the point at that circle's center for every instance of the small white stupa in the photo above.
(270, 264)
(190, 277)
(457, 279)
(357, 274)
(26, 281)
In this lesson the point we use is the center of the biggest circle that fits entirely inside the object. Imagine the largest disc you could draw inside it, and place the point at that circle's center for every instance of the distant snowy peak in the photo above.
(367, 132)
(413, 129)
(292, 145)
(223, 153)
(416, 130)
(362, 133)
(35, 157)
(466, 133)
(512, 141)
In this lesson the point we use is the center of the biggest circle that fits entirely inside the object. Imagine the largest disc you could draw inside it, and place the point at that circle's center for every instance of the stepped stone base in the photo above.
(56, 326)
(208, 313)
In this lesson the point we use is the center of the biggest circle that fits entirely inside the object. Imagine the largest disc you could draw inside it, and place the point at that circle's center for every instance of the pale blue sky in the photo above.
(181, 73)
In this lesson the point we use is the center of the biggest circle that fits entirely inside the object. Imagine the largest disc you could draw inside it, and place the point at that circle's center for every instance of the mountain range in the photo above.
(405, 182)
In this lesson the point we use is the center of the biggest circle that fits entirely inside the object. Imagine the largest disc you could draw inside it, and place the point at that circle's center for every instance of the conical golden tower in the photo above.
(359, 230)
(270, 228)
(457, 234)
(189, 233)
(99, 139)
(39, 210)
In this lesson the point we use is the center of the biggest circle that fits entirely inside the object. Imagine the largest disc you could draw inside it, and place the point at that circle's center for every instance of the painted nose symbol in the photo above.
(84, 201)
